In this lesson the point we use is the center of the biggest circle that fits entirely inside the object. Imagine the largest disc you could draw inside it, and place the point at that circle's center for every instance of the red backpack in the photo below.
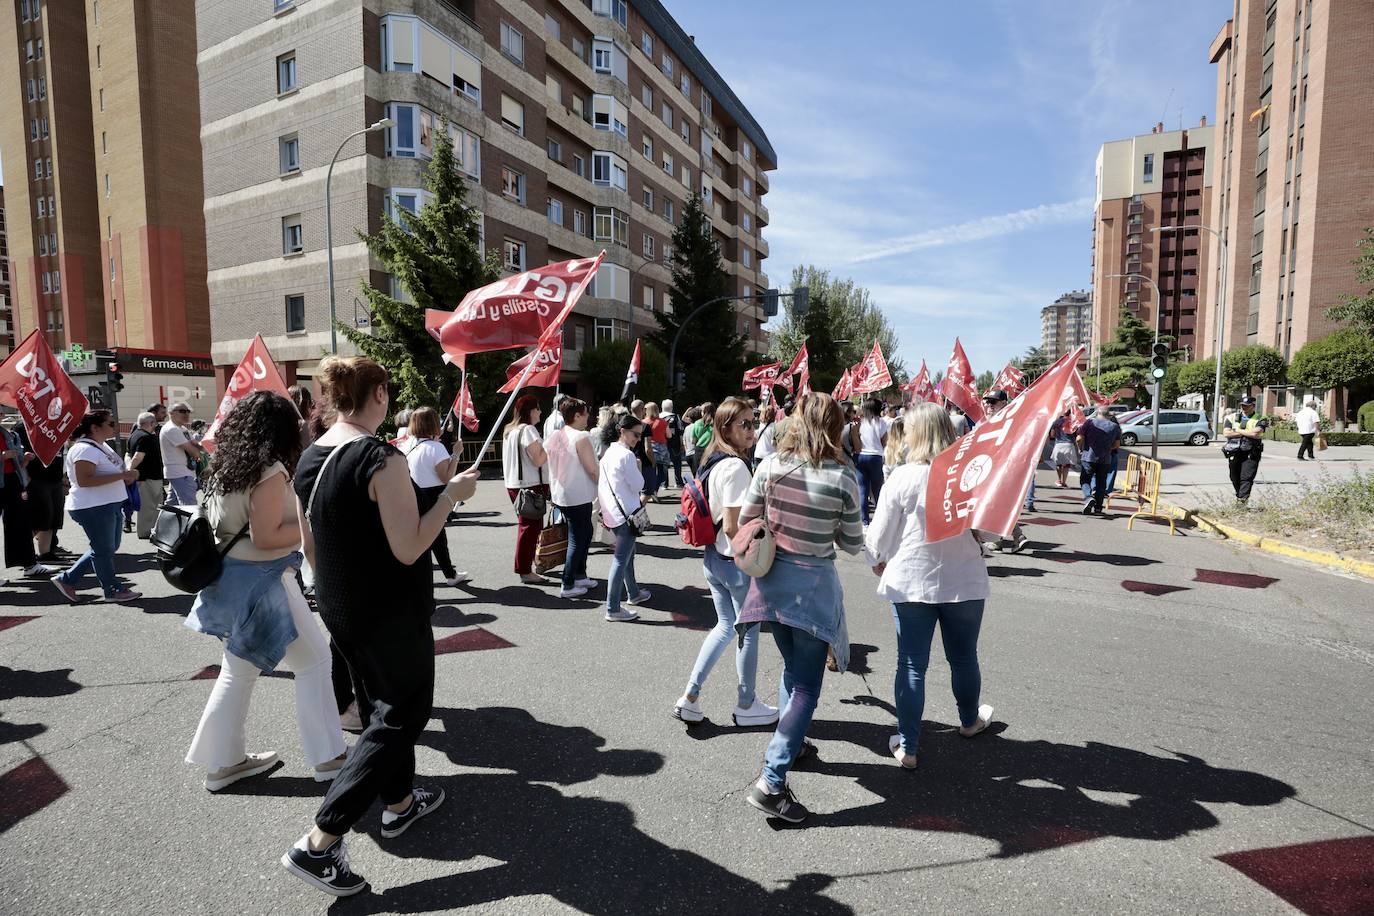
(694, 511)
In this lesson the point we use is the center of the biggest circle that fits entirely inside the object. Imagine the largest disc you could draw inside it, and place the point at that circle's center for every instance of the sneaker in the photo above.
(643, 596)
(457, 579)
(327, 870)
(1028, 507)
(250, 765)
(757, 714)
(621, 616)
(588, 584)
(1088, 507)
(326, 771)
(422, 802)
(782, 805)
(894, 745)
(1019, 544)
(67, 591)
(977, 728)
(574, 592)
(350, 720)
(124, 596)
(688, 710)
(38, 569)
(533, 579)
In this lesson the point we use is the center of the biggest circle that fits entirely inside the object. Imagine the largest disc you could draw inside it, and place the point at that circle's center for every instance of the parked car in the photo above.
(1190, 426)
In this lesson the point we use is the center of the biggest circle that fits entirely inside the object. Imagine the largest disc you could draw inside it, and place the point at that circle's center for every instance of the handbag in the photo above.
(638, 520)
(552, 546)
(529, 502)
(1321, 441)
(753, 544)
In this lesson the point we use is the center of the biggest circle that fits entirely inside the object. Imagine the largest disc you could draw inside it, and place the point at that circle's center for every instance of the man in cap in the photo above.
(1244, 446)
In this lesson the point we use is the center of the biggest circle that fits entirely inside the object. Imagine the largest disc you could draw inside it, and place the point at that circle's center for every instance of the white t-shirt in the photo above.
(106, 462)
(512, 459)
(1307, 420)
(726, 487)
(423, 455)
(767, 443)
(569, 482)
(871, 434)
(175, 461)
(621, 482)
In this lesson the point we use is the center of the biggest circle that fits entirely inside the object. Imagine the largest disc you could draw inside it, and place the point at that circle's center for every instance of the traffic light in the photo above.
(114, 377)
(1159, 360)
(801, 300)
(770, 302)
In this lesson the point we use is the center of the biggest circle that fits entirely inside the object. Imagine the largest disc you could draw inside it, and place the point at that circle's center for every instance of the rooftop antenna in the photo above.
(1164, 117)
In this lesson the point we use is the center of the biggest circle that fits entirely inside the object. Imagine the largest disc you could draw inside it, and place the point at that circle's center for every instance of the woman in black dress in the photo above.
(363, 534)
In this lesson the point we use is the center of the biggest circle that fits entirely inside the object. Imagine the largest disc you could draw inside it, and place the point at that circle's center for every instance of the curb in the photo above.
(1327, 558)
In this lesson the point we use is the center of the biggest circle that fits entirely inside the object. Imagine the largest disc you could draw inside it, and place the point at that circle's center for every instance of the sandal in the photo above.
(977, 728)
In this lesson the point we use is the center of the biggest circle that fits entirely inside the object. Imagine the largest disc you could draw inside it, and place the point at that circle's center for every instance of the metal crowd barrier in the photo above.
(1140, 482)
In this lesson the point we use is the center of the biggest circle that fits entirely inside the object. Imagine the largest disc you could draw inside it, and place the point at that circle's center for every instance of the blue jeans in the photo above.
(579, 519)
(1097, 480)
(803, 668)
(622, 568)
(661, 463)
(729, 588)
(1030, 494)
(183, 490)
(959, 624)
(869, 470)
(104, 527)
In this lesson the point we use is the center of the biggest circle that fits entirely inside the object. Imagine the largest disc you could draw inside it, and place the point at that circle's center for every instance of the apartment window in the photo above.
(686, 176)
(95, 11)
(47, 282)
(648, 198)
(42, 244)
(746, 257)
(611, 282)
(38, 49)
(747, 222)
(648, 249)
(667, 114)
(685, 129)
(649, 298)
(668, 163)
(42, 208)
(607, 57)
(556, 211)
(746, 150)
(107, 184)
(579, 48)
(412, 46)
(279, 5)
(667, 65)
(646, 95)
(513, 114)
(553, 26)
(102, 99)
(648, 148)
(33, 129)
(295, 312)
(1149, 175)
(553, 89)
(646, 42)
(609, 170)
(23, 10)
(513, 254)
(706, 105)
(52, 206)
(610, 114)
(57, 281)
(686, 85)
(289, 154)
(292, 239)
(669, 212)
(286, 73)
(612, 9)
(43, 128)
(611, 225)
(513, 43)
(112, 269)
(32, 90)
(97, 57)
(512, 184)
(555, 151)
(605, 327)
(579, 166)
(747, 186)
(37, 169)
(42, 87)
(104, 144)
(580, 222)
(705, 189)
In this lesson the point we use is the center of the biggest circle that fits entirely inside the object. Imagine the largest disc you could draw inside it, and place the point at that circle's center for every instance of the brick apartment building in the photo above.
(582, 126)
(6, 319)
(1067, 323)
(102, 161)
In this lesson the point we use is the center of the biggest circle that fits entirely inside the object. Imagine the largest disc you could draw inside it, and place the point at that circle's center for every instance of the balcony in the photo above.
(762, 245)
(762, 213)
(1135, 208)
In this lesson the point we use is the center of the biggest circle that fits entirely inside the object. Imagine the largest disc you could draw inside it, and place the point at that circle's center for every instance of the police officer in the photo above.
(1244, 446)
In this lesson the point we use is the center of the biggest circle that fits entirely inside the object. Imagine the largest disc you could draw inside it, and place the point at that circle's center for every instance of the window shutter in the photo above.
(467, 68)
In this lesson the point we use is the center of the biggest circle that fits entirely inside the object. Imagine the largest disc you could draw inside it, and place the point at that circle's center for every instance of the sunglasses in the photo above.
(748, 424)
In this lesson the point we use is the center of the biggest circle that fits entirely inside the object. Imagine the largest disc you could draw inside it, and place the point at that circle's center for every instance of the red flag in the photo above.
(844, 387)
(921, 388)
(981, 480)
(871, 374)
(548, 361)
(804, 383)
(1011, 380)
(800, 363)
(960, 386)
(631, 377)
(463, 409)
(49, 402)
(1102, 398)
(515, 311)
(761, 377)
(256, 372)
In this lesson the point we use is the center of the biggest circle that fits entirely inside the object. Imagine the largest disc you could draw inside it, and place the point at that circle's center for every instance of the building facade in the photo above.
(7, 340)
(1295, 185)
(580, 126)
(1067, 323)
(1147, 183)
(106, 228)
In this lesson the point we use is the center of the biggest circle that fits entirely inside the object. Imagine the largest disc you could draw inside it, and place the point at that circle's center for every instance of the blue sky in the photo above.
(942, 154)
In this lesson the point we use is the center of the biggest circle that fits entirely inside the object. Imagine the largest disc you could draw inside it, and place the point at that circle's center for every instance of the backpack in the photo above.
(693, 519)
(186, 550)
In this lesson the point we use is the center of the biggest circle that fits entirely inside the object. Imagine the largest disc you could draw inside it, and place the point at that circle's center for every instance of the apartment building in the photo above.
(1294, 187)
(580, 125)
(7, 340)
(1067, 323)
(104, 167)
(1145, 184)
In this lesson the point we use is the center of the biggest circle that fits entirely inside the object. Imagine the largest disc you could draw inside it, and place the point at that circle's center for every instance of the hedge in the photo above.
(1280, 434)
(1365, 416)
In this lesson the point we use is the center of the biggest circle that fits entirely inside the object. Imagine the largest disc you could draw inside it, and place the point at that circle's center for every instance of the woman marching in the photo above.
(726, 472)
(256, 605)
(808, 498)
(1065, 453)
(573, 473)
(431, 467)
(522, 460)
(618, 494)
(944, 582)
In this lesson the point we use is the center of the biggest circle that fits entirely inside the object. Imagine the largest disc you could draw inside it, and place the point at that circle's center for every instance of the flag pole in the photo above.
(506, 408)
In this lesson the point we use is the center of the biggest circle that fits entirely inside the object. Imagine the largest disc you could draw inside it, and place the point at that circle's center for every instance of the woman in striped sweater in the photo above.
(809, 498)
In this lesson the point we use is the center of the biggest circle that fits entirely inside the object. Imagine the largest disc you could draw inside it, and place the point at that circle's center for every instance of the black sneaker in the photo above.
(783, 806)
(422, 802)
(1088, 507)
(327, 870)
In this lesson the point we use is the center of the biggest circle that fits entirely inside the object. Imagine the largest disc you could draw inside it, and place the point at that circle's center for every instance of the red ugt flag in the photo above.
(257, 372)
(871, 374)
(1011, 380)
(981, 480)
(960, 386)
(761, 376)
(921, 388)
(844, 388)
(49, 402)
(463, 409)
(548, 362)
(801, 363)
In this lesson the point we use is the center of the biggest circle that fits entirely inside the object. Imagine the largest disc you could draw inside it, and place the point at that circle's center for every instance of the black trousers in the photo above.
(1244, 467)
(675, 459)
(393, 676)
(425, 499)
(1306, 445)
(342, 678)
(19, 549)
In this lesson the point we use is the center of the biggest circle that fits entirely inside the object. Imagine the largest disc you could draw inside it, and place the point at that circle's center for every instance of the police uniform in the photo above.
(1243, 454)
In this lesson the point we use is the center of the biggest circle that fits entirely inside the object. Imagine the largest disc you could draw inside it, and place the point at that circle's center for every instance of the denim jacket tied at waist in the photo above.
(247, 607)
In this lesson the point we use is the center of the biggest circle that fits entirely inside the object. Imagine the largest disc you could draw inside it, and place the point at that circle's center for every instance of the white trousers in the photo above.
(220, 741)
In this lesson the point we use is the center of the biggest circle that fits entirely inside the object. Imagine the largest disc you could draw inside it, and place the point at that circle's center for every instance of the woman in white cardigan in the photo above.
(944, 582)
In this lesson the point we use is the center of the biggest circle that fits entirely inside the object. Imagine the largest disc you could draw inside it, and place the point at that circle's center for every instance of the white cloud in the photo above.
(985, 227)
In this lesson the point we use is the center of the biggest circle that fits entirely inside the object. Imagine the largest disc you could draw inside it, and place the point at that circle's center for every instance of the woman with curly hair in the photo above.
(255, 606)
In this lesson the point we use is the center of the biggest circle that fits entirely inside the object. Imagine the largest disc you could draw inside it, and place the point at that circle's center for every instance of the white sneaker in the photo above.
(977, 728)
(758, 714)
(575, 592)
(687, 710)
(250, 765)
(643, 596)
(621, 616)
(457, 580)
(588, 584)
(38, 569)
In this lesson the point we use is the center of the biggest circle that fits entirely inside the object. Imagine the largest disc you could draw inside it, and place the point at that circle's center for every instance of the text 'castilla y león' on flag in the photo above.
(49, 403)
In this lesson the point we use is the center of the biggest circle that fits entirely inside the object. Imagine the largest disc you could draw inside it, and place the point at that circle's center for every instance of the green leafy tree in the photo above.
(1169, 390)
(436, 256)
(1199, 378)
(603, 368)
(1338, 361)
(1033, 364)
(826, 362)
(1129, 347)
(1254, 366)
(985, 380)
(711, 351)
(1359, 310)
(1117, 379)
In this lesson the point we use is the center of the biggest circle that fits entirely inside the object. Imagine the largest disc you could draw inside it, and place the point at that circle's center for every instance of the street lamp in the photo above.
(1221, 315)
(634, 273)
(1159, 313)
(383, 124)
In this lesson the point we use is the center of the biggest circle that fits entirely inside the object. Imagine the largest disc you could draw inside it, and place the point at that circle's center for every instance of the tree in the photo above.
(1333, 363)
(603, 368)
(1359, 310)
(1255, 366)
(985, 380)
(711, 351)
(1033, 364)
(1199, 377)
(435, 254)
(1129, 347)
(1117, 379)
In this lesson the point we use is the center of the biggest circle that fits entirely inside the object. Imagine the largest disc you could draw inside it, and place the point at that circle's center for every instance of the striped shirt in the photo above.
(810, 509)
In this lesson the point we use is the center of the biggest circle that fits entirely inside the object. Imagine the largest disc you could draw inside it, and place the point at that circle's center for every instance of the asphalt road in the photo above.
(1162, 702)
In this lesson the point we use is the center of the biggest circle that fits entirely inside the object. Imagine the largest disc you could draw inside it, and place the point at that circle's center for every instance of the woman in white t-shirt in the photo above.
(95, 503)
(727, 475)
(431, 468)
(573, 476)
(522, 461)
(869, 448)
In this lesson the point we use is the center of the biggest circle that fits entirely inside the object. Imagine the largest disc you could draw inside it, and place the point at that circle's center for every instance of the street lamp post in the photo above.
(1221, 316)
(329, 226)
(634, 273)
(1154, 396)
